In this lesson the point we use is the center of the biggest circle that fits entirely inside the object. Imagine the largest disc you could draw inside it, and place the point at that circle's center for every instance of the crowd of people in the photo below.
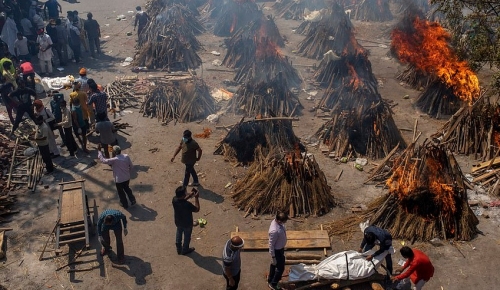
(30, 28)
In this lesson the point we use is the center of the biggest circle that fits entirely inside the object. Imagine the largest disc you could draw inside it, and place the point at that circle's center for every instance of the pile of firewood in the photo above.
(373, 10)
(289, 181)
(267, 99)
(402, 6)
(349, 69)
(234, 15)
(438, 100)
(155, 7)
(487, 174)
(121, 95)
(414, 77)
(240, 143)
(473, 130)
(293, 9)
(427, 199)
(333, 32)
(211, 9)
(242, 46)
(178, 101)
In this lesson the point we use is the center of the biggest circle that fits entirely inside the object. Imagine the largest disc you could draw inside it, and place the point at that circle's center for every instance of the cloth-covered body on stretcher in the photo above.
(348, 265)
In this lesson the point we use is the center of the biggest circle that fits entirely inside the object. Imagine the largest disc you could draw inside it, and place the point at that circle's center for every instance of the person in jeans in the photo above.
(122, 166)
(231, 262)
(183, 216)
(42, 140)
(112, 219)
(106, 131)
(277, 243)
(67, 125)
(190, 150)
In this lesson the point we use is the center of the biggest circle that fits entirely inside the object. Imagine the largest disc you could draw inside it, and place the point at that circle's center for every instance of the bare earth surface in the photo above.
(151, 259)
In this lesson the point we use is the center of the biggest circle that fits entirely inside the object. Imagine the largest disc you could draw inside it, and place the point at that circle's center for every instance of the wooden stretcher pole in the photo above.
(48, 239)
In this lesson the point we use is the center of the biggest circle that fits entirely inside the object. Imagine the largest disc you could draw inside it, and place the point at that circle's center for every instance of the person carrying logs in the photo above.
(190, 149)
(372, 236)
(277, 243)
(418, 267)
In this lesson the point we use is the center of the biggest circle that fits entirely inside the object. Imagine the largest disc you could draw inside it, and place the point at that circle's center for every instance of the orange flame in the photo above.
(355, 80)
(428, 49)
(233, 24)
(266, 48)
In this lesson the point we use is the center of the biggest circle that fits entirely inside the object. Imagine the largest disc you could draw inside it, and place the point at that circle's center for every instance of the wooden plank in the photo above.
(296, 239)
(72, 234)
(71, 241)
(486, 175)
(71, 206)
(291, 244)
(485, 164)
(291, 235)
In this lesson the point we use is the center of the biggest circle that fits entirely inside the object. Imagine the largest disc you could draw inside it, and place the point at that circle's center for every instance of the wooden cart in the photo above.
(75, 220)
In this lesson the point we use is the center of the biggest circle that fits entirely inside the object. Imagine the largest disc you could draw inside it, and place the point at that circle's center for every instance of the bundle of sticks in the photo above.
(234, 15)
(289, 181)
(373, 10)
(292, 9)
(473, 129)
(372, 133)
(267, 99)
(414, 77)
(179, 101)
(438, 100)
(487, 174)
(240, 143)
(155, 7)
(427, 198)
(121, 95)
(242, 46)
(334, 70)
(333, 32)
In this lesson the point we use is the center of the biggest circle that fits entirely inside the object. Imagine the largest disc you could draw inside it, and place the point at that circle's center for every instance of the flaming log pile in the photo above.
(311, 21)
(240, 143)
(181, 101)
(295, 9)
(473, 130)
(425, 46)
(373, 10)
(234, 15)
(332, 32)
(243, 45)
(415, 78)
(290, 182)
(427, 199)
(267, 99)
(169, 42)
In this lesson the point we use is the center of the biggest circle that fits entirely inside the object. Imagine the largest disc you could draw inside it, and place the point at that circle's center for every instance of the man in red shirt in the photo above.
(418, 267)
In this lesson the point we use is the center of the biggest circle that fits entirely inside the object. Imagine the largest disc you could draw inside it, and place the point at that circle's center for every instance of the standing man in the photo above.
(418, 267)
(122, 166)
(93, 34)
(10, 104)
(80, 126)
(190, 149)
(375, 235)
(141, 19)
(26, 68)
(106, 131)
(24, 94)
(55, 107)
(42, 140)
(74, 41)
(62, 42)
(277, 243)
(45, 51)
(183, 216)
(21, 48)
(52, 7)
(84, 86)
(112, 219)
(231, 262)
(67, 125)
(98, 99)
(80, 25)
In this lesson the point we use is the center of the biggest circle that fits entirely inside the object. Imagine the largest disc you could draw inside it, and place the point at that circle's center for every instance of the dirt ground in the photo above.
(151, 258)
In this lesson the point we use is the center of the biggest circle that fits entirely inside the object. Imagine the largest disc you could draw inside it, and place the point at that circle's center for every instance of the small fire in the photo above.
(233, 24)
(496, 139)
(266, 48)
(427, 48)
(206, 133)
(355, 80)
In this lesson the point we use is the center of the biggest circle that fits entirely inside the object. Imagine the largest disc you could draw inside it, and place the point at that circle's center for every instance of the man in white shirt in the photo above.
(45, 51)
(21, 48)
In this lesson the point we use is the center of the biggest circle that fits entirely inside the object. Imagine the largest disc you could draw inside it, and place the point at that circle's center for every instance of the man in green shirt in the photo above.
(191, 152)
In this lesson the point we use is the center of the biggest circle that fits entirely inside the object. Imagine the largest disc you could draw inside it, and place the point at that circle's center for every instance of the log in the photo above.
(295, 262)
(2, 245)
(302, 256)
(12, 163)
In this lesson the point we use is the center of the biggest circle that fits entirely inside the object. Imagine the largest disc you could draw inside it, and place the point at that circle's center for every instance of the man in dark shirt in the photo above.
(93, 33)
(10, 104)
(51, 6)
(141, 20)
(23, 94)
(112, 219)
(375, 235)
(189, 148)
(183, 215)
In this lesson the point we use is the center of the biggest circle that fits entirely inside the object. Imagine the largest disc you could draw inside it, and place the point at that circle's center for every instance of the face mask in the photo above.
(76, 106)
(184, 139)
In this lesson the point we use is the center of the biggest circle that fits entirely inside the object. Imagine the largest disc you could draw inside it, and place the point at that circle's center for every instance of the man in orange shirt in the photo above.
(418, 267)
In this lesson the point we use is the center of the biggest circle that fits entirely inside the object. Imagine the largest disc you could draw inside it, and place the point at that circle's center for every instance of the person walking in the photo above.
(277, 243)
(231, 262)
(183, 217)
(112, 220)
(141, 20)
(106, 131)
(375, 235)
(418, 267)
(42, 140)
(45, 51)
(21, 48)
(67, 125)
(122, 166)
(191, 153)
(93, 31)
(23, 94)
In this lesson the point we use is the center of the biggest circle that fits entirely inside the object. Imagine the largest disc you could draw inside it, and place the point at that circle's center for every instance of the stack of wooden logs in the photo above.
(178, 99)
(438, 100)
(234, 15)
(487, 175)
(121, 95)
(373, 10)
(292, 9)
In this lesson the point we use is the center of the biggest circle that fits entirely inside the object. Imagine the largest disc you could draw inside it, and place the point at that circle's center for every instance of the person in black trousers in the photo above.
(23, 94)
(67, 126)
(42, 140)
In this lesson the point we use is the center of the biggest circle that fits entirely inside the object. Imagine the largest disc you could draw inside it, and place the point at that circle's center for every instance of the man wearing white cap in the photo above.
(122, 166)
(231, 262)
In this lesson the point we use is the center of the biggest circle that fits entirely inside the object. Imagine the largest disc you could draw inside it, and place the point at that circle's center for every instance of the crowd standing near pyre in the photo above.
(32, 30)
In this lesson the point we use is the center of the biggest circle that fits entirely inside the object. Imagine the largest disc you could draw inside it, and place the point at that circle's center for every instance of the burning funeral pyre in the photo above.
(180, 100)
(371, 10)
(296, 9)
(234, 15)
(244, 138)
(289, 181)
(427, 199)
(425, 47)
(169, 42)
(266, 99)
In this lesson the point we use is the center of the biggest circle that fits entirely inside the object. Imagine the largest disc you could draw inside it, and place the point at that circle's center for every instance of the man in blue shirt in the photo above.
(231, 262)
(374, 235)
(112, 219)
(51, 6)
